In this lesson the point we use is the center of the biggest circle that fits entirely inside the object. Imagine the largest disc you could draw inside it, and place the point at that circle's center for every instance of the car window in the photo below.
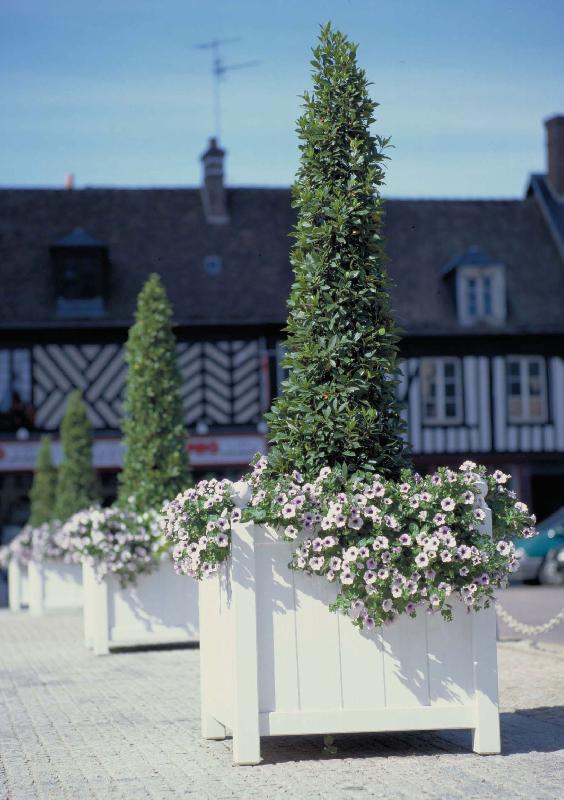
(553, 526)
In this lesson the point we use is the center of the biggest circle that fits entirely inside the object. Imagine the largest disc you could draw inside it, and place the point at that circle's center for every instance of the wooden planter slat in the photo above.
(275, 661)
(54, 586)
(161, 608)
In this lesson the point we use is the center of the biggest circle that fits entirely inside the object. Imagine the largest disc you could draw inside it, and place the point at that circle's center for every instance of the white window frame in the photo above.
(440, 418)
(525, 416)
(496, 277)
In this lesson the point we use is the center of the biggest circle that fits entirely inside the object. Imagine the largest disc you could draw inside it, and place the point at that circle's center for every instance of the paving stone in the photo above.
(126, 727)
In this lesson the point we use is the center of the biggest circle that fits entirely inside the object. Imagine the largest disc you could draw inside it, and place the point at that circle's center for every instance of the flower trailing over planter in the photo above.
(50, 544)
(20, 548)
(392, 547)
(198, 523)
(116, 541)
(38, 543)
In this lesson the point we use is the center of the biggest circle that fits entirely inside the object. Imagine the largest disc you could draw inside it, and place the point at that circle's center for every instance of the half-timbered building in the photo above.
(479, 296)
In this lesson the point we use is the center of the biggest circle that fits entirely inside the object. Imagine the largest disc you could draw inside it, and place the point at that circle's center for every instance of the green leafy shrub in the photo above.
(44, 487)
(156, 460)
(76, 484)
(338, 407)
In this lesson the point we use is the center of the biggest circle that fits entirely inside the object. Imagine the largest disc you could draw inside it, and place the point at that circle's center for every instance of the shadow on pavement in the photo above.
(522, 731)
(147, 648)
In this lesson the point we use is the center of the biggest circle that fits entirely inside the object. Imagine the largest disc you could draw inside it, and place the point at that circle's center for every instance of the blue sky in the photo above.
(115, 91)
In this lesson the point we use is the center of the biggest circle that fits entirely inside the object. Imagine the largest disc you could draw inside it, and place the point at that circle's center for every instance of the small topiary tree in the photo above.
(156, 461)
(76, 485)
(44, 487)
(338, 406)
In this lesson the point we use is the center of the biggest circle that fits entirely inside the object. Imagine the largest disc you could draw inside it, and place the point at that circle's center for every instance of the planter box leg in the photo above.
(36, 589)
(14, 585)
(246, 748)
(211, 728)
(99, 620)
(89, 589)
(486, 735)
(246, 737)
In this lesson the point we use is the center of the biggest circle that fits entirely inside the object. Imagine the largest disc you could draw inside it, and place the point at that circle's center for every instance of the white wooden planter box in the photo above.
(275, 661)
(54, 585)
(18, 585)
(161, 608)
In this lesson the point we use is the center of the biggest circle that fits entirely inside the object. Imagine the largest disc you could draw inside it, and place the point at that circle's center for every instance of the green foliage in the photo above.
(76, 485)
(338, 406)
(44, 487)
(156, 461)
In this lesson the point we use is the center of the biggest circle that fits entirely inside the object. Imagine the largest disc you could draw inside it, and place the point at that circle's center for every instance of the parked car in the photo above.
(542, 558)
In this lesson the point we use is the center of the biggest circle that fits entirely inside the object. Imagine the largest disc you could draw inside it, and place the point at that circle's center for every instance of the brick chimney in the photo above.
(213, 189)
(555, 149)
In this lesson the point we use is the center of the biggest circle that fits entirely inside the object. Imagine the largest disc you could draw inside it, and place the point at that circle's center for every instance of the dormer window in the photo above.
(479, 288)
(81, 275)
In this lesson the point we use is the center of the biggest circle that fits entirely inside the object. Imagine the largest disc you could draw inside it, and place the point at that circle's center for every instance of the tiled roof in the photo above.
(552, 208)
(423, 235)
(473, 257)
(164, 230)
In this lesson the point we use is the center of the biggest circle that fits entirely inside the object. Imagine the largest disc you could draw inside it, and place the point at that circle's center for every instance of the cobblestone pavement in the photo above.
(127, 726)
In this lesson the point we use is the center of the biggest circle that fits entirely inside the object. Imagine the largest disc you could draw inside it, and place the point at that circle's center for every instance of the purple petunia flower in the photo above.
(355, 523)
(289, 511)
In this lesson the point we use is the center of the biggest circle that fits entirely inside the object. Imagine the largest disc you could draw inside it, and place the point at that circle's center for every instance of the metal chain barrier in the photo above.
(521, 627)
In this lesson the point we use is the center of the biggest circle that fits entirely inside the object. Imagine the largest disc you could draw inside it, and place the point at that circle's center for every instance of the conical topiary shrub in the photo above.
(76, 485)
(44, 487)
(338, 407)
(390, 543)
(156, 460)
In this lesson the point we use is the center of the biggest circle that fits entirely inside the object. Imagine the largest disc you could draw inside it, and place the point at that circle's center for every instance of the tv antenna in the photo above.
(219, 69)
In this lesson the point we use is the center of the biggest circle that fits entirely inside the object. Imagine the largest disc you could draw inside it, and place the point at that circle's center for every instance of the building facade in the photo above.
(478, 295)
